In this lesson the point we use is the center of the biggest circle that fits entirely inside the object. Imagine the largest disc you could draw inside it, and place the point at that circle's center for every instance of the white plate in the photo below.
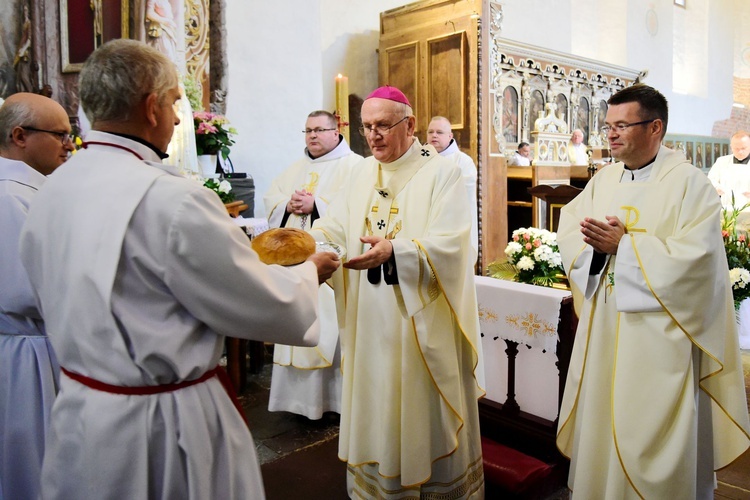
(330, 247)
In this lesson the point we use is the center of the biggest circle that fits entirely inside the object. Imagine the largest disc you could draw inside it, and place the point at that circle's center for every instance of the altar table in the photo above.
(527, 336)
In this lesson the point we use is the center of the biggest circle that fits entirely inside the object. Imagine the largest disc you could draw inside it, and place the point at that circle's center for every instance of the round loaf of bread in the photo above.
(284, 246)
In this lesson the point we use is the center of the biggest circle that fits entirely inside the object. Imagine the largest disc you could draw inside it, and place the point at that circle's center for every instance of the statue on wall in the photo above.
(23, 60)
(161, 29)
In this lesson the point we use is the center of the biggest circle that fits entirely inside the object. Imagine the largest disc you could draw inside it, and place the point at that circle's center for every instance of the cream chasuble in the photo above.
(410, 352)
(649, 378)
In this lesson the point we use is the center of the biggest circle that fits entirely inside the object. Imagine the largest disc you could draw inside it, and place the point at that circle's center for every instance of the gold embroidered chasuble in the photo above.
(643, 384)
(410, 352)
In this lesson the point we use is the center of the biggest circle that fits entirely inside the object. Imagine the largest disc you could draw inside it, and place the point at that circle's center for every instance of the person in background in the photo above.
(521, 157)
(407, 306)
(654, 400)
(577, 149)
(307, 380)
(141, 274)
(34, 141)
(440, 135)
(730, 174)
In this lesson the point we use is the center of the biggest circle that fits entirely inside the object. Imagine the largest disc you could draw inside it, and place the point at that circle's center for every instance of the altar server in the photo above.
(141, 273)
(307, 380)
(34, 141)
(654, 400)
(410, 332)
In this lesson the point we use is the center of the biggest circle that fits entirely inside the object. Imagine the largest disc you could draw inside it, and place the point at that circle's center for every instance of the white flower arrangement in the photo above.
(535, 256)
(222, 188)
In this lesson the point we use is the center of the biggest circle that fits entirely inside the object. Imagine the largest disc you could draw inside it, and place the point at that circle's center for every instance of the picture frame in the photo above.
(87, 24)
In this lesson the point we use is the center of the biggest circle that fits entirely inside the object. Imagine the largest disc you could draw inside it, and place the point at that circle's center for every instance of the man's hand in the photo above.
(301, 203)
(603, 236)
(326, 262)
(380, 251)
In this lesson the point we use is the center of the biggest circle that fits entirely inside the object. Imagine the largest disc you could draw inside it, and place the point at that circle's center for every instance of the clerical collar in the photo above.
(309, 155)
(741, 162)
(632, 171)
(160, 154)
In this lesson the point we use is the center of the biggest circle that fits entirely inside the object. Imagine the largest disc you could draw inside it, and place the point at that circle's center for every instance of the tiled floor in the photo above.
(278, 434)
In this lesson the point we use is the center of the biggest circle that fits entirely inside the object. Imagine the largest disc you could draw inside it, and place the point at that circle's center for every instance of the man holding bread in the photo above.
(141, 273)
(307, 380)
(411, 355)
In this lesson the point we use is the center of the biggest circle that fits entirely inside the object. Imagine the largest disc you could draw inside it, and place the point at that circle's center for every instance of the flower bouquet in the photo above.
(213, 135)
(738, 253)
(533, 257)
(223, 188)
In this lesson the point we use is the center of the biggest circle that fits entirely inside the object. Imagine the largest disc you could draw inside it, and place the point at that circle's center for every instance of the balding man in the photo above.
(577, 149)
(34, 141)
(440, 135)
(730, 174)
(409, 329)
(141, 273)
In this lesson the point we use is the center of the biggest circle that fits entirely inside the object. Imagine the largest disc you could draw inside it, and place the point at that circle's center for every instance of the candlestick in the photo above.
(342, 104)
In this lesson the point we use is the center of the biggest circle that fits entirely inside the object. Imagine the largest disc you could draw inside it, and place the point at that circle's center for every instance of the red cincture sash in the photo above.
(147, 390)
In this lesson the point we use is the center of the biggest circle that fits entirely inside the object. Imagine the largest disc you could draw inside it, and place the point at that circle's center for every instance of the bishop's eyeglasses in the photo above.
(621, 127)
(379, 129)
(65, 137)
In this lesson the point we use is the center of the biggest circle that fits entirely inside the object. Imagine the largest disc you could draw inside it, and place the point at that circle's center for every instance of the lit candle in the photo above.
(342, 104)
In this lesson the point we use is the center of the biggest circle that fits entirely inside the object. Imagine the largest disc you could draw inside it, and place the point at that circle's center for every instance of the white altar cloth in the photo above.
(529, 315)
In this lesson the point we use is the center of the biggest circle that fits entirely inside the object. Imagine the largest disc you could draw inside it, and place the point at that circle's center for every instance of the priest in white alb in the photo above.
(141, 274)
(411, 354)
(307, 380)
(34, 140)
(654, 401)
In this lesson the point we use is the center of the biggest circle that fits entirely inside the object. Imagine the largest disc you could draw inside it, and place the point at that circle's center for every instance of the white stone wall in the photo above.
(283, 57)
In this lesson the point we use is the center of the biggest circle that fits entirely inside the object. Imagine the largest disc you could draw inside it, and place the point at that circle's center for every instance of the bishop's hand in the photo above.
(379, 253)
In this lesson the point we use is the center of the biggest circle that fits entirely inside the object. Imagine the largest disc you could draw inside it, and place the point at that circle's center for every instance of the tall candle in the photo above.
(342, 104)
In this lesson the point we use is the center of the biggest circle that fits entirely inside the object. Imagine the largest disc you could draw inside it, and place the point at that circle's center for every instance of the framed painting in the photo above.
(87, 24)
(562, 107)
(510, 114)
(582, 119)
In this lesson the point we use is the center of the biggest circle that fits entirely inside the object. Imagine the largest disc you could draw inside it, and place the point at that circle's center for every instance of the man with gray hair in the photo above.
(34, 141)
(140, 274)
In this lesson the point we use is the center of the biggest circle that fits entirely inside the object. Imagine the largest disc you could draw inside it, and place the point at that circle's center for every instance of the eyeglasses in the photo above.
(379, 129)
(65, 137)
(620, 127)
(317, 130)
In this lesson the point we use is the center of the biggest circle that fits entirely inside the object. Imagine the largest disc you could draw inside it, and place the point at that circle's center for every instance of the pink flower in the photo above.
(203, 115)
(527, 236)
(537, 243)
(528, 246)
(205, 128)
(515, 237)
(724, 233)
(741, 238)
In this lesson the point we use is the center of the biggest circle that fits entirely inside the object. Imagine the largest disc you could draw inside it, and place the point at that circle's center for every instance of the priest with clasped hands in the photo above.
(654, 401)
(409, 330)
(141, 273)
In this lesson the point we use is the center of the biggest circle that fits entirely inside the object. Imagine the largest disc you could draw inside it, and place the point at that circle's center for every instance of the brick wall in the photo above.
(739, 119)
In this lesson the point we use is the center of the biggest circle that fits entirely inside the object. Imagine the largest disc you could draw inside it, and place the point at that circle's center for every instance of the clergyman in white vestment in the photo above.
(411, 354)
(307, 380)
(141, 273)
(730, 174)
(577, 152)
(440, 135)
(34, 141)
(654, 400)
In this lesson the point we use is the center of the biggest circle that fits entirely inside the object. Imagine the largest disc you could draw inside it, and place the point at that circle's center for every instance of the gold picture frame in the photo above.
(87, 24)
